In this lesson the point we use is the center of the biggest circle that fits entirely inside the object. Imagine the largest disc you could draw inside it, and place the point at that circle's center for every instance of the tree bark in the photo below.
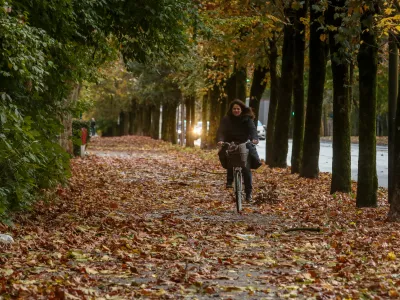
(257, 89)
(281, 134)
(155, 121)
(315, 97)
(214, 117)
(367, 184)
(125, 123)
(230, 88)
(273, 101)
(187, 130)
(394, 211)
(132, 117)
(65, 140)
(192, 117)
(164, 113)
(168, 129)
(241, 84)
(298, 89)
(204, 120)
(146, 119)
(341, 161)
(393, 91)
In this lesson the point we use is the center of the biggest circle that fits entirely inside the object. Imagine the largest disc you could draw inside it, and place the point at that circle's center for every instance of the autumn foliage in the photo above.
(142, 218)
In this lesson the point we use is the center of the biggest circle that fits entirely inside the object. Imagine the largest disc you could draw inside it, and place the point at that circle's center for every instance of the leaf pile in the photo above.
(140, 218)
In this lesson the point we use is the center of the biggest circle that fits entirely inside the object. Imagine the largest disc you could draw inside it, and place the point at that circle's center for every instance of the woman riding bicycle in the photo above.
(238, 126)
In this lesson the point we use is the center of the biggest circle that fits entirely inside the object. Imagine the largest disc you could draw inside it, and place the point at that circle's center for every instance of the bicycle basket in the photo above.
(238, 157)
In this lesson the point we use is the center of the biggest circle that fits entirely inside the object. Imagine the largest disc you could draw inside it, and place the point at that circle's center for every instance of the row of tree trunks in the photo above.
(318, 57)
(367, 184)
(298, 88)
(281, 134)
(257, 89)
(341, 163)
(273, 102)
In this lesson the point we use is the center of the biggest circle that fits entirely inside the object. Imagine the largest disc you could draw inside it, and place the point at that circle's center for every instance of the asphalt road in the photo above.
(325, 160)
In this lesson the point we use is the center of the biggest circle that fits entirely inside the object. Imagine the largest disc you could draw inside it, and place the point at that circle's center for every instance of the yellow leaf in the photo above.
(393, 294)
(391, 256)
(322, 37)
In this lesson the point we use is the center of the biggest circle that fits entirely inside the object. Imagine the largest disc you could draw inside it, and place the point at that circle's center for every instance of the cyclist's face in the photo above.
(236, 110)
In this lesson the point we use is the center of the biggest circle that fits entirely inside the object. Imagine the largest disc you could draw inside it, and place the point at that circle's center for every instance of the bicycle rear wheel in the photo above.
(238, 190)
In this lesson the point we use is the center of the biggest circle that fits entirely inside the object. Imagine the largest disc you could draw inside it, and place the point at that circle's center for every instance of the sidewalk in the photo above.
(141, 218)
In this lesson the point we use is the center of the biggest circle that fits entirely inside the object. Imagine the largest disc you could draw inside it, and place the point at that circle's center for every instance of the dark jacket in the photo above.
(239, 130)
(236, 129)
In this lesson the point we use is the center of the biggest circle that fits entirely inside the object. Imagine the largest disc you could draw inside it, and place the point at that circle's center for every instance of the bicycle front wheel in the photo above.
(238, 190)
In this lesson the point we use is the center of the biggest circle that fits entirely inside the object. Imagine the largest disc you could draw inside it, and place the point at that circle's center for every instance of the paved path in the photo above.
(325, 160)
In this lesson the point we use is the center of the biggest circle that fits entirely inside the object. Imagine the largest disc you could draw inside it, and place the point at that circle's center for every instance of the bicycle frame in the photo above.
(238, 183)
(237, 187)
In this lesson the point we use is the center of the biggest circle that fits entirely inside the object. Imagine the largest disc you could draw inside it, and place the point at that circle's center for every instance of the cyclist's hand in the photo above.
(255, 142)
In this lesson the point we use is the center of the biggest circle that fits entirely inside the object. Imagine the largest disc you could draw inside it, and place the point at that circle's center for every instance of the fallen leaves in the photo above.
(137, 220)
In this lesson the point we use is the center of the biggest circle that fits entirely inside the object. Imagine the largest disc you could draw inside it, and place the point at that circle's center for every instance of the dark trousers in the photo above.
(248, 187)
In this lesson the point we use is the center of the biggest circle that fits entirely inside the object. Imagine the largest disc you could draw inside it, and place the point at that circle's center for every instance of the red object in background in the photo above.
(84, 135)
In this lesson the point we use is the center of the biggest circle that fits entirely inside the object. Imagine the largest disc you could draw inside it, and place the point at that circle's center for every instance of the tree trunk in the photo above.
(230, 88)
(192, 117)
(273, 101)
(204, 120)
(168, 129)
(146, 119)
(190, 120)
(138, 122)
(223, 103)
(367, 184)
(394, 211)
(172, 132)
(298, 89)
(125, 124)
(164, 125)
(66, 134)
(187, 130)
(315, 97)
(281, 134)
(341, 161)
(241, 84)
(257, 89)
(214, 117)
(393, 91)
(132, 117)
(155, 122)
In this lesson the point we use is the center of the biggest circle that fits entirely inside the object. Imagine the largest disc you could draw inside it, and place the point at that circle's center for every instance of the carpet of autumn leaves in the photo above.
(143, 219)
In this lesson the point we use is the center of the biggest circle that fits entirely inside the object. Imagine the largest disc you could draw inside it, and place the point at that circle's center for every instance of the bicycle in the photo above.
(237, 155)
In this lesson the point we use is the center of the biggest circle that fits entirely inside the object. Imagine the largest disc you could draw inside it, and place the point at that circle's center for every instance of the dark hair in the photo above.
(246, 111)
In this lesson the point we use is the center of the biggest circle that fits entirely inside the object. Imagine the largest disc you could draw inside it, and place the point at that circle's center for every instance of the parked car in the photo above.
(261, 132)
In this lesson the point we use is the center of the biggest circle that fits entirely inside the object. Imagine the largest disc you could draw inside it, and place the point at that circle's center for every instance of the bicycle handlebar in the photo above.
(228, 144)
